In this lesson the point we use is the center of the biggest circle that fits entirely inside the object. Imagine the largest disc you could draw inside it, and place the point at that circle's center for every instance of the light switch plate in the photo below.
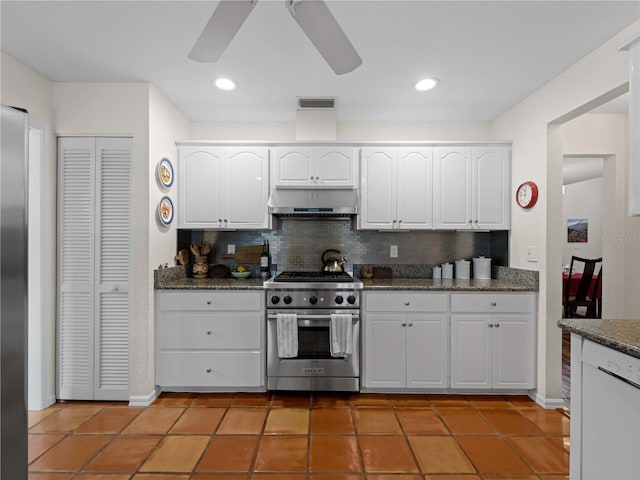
(393, 251)
(231, 249)
(532, 253)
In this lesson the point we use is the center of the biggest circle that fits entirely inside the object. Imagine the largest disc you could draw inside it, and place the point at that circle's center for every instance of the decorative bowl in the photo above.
(240, 274)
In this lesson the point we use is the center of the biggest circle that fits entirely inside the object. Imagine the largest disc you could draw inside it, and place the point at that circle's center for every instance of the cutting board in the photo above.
(250, 254)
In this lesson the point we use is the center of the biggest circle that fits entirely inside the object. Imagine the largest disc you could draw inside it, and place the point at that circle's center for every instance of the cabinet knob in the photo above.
(219, 220)
(493, 304)
(470, 221)
(208, 302)
(491, 325)
(404, 324)
(410, 324)
(209, 370)
(209, 332)
(497, 325)
(311, 177)
(317, 178)
(407, 303)
(475, 221)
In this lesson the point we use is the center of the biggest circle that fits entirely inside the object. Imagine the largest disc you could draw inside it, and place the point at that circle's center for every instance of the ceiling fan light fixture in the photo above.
(426, 84)
(224, 83)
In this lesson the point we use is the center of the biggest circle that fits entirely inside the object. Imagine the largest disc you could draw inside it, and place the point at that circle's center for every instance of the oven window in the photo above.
(313, 342)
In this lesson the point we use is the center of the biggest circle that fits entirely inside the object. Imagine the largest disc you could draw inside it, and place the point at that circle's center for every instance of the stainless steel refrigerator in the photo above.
(14, 134)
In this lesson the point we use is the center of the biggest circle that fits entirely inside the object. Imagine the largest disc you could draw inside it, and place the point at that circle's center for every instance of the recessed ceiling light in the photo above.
(224, 84)
(426, 84)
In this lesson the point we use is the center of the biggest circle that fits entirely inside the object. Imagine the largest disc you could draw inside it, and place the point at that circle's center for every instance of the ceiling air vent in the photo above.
(316, 102)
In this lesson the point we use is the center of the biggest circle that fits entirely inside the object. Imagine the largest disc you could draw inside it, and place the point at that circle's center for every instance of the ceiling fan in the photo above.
(313, 16)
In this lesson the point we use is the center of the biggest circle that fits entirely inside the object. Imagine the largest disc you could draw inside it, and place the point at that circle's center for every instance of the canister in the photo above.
(463, 269)
(437, 272)
(481, 268)
(447, 270)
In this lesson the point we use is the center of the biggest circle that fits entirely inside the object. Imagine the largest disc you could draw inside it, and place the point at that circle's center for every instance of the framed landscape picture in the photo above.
(577, 230)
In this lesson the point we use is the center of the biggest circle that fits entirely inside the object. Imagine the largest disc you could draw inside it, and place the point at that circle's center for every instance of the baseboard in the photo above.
(549, 403)
(144, 400)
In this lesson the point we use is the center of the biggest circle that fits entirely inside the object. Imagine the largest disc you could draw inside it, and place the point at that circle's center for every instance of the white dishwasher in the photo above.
(610, 415)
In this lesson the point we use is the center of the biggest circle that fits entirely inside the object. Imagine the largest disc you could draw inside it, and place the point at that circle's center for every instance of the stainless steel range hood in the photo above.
(314, 202)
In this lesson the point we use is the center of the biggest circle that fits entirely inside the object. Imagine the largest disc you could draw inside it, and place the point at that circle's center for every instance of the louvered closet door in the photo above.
(93, 275)
(113, 240)
(76, 184)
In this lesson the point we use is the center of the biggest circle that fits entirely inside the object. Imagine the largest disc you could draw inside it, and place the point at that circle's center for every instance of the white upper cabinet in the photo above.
(471, 188)
(223, 187)
(396, 188)
(491, 186)
(319, 167)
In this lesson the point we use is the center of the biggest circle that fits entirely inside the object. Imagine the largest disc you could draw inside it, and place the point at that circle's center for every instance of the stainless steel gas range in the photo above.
(313, 301)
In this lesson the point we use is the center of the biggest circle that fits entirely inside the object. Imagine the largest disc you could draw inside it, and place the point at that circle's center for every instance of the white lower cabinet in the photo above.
(406, 339)
(493, 340)
(210, 339)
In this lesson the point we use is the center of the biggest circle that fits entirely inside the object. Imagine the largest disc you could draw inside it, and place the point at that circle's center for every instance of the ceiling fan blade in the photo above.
(225, 22)
(319, 24)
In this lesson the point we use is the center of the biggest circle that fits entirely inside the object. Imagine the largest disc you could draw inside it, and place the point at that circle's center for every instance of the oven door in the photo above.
(314, 352)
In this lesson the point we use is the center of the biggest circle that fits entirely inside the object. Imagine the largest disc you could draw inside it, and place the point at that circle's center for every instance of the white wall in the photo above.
(22, 87)
(537, 155)
(583, 200)
(354, 131)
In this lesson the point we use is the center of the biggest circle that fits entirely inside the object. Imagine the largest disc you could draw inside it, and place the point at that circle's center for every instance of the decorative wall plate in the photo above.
(165, 173)
(165, 210)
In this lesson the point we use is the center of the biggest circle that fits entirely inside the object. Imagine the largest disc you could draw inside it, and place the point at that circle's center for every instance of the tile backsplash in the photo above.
(298, 244)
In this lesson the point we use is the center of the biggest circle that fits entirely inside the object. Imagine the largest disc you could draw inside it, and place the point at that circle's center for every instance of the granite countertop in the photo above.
(228, 283)
(429, 284)
(422, 284)
(620, 335)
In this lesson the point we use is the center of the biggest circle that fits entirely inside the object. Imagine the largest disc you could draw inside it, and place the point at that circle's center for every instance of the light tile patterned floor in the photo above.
(280, 436)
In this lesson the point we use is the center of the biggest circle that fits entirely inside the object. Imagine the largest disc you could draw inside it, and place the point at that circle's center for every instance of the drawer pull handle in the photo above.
(208, 302)
(208, 370)
(209, 332)
(493, 304)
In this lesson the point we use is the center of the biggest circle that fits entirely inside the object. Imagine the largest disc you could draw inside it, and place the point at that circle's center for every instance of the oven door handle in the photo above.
(315, 320)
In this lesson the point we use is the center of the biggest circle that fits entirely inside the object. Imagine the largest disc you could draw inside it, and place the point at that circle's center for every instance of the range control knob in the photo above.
(287, 299)
(351, 299)
(313, 300)
(339, 299)
(275, 299)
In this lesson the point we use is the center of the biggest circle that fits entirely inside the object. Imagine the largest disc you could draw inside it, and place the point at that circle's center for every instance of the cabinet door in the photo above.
(513, 344)
(427, 351)
(294, 167)
(415, 188)
(452, 187)
(246, 188)
(334, 167)
(200, 188)
(471, 351)
(378, 189)
(385, 343)
(491, 199)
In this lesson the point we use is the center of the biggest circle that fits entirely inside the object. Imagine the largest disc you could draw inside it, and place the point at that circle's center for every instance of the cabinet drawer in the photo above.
(209, 300)
(210, 369)
(406, 302)
(197, 331)
(492, 303)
